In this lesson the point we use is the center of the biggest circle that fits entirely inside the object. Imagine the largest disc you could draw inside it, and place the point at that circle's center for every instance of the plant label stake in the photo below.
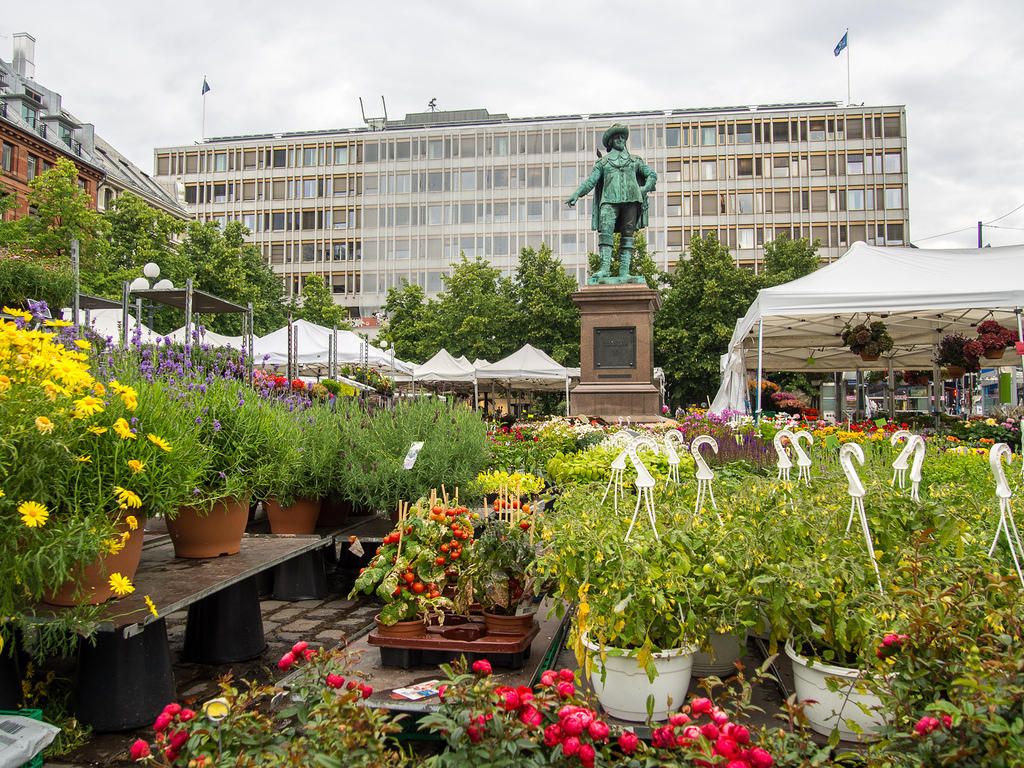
(617, 469)
(900, 464)
(704, 473)
(915, 469)
(671, 455)
(644, 484)
(855, 488)
(803, 461)
(1007, 525)
(785, 463)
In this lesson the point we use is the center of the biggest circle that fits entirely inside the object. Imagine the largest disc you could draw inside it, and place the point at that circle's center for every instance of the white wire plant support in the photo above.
(705, 475)
(1007, 525)
(847, 453)
(644, 484)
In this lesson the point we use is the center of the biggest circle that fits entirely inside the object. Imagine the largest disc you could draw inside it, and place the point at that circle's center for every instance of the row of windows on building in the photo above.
(34, 166)
(244, 159)
(502, 142)
(535, 177)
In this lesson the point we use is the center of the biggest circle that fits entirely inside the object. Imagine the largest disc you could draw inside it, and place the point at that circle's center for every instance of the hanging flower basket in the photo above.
(868, 340)
(994, 339)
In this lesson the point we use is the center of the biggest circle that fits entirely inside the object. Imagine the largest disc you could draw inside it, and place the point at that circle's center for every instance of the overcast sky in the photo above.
(135, 69)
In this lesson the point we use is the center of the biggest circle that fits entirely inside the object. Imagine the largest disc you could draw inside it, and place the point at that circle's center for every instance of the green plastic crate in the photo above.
(35, 714)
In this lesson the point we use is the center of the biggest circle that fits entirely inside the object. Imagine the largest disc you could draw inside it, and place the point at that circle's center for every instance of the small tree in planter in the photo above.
(869, 340)
(953, 355)
(501, 559)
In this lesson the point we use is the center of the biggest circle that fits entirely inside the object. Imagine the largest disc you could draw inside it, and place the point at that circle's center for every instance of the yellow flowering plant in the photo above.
(74, 464)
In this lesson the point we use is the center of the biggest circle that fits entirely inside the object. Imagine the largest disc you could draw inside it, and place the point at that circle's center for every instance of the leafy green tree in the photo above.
(786, 260)
(222, 263)
(61, 212)
(137, 233)
(410, 326)
(475, 311)
(546, 316)
(318, 305)
(707, 292)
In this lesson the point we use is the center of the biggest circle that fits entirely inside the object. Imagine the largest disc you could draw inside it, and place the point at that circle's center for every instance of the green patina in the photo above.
(621, 184)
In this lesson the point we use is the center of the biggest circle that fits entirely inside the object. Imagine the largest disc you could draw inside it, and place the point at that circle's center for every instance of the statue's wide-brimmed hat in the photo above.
(616, 130)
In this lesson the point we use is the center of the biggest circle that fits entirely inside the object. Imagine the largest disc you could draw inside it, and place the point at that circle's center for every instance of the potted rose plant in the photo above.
(869, 340)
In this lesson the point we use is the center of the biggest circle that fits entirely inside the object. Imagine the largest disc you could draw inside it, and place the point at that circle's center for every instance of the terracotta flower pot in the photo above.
(91, 586)
(508, 625)
(412, 628)
(994, 354)
(956, 371)
(196, 533)
(869, 358)
(299, 518)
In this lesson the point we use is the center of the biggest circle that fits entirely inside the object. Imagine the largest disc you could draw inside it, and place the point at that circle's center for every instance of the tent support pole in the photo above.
(476, 394)
(760, 366)
(890, 382)
(937, 391)
(1020, 336)
(567, 393)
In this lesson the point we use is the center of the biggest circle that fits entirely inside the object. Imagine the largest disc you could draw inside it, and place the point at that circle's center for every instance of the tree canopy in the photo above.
(318, 305)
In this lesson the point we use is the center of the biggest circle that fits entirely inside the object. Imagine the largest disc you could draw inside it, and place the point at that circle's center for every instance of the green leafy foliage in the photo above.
(318, 305)
(546, 316)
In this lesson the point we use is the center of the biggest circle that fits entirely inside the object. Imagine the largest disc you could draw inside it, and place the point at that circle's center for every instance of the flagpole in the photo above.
(847, 67)
(205, 89)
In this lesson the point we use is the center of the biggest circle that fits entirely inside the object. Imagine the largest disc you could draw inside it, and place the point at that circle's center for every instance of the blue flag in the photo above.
(839, 46)
(206, 85)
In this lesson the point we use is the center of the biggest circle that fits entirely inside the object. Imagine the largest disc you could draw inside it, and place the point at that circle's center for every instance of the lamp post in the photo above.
(385, 346)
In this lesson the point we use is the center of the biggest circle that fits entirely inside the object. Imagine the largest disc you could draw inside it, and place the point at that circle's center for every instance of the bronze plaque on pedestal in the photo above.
(615, 347)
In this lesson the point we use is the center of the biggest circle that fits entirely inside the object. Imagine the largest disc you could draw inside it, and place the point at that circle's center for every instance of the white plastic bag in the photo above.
(21, 738)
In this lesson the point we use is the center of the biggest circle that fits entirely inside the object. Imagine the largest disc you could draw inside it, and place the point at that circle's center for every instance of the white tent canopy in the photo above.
(527, 368)
(442, 367)
(107, 324)
(921, 295)
(206, 337)
(313, 345)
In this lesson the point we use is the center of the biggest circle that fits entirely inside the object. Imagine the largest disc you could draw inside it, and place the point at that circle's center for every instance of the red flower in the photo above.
(548, 677)
(299, 647)
(586, 755)
(552, 735)
(565, 690)
(186, 715)
(628, 742)
(571, 746)
(482, 667)
(172, 709)
(335, 681)
(700, 706)
(567, 675)
(286, 661)
(162, 721)
(598, 730)
(140, 749)
(760, 758)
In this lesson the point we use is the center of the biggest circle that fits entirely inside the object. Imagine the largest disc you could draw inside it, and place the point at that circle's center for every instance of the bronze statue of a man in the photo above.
(621, 183)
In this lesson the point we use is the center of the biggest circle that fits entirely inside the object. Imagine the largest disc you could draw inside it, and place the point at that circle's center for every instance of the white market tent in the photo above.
(107, 324)
(312, 344)
(528, 368)
(921, 295)
(443, 368)
(206, 336)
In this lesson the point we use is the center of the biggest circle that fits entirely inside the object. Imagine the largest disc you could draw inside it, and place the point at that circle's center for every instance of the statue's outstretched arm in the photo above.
(588, 184)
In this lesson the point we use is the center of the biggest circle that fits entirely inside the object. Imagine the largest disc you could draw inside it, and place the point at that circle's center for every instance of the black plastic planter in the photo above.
(226, 627)
(301, 578)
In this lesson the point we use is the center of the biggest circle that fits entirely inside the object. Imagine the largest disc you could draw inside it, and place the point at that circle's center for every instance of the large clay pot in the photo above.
(622, 685)
(196, 533)
(334, 512)
(91, 586)
(826, 709)
(299, 518)
(412, 628)
(497, 624)
(994, 354)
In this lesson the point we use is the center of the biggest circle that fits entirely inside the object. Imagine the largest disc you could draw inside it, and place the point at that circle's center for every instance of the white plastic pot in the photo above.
(624, 690)
(832, 709)
(721, 660)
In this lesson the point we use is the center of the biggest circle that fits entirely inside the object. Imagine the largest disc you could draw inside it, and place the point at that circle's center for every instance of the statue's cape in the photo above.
(641, 222)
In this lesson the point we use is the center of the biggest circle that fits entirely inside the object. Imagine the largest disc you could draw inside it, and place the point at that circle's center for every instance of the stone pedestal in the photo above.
(617, 353)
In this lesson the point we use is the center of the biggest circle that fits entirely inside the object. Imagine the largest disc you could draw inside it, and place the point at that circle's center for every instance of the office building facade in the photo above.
(366, 208)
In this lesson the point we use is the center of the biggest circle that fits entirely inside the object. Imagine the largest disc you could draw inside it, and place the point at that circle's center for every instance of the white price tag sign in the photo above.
(410, 457)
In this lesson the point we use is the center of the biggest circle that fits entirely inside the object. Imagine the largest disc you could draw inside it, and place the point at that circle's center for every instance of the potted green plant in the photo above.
(307, 447)
(500, 571)
(952, 354)
(869, 340)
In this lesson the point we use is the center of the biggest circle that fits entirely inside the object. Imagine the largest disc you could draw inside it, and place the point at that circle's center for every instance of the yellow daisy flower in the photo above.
(133, 523)
(87, 406)
(149, 604)
(84, 459)
(2, 494)
(136, 465)
(121, 585)
(82, 344)
(127, 498)
(114, 545)
(124, 431)
(159, 442)
(33, 514)
(98, 389)
(44, 425)
(17, 313)
(96, 430)
(5, 383)
(130, 398)
(57, 323)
